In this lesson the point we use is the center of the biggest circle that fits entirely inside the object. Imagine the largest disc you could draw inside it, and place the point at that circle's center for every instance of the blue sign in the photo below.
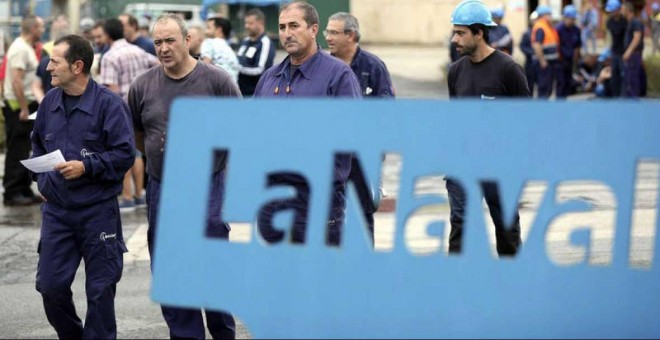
(315, 290)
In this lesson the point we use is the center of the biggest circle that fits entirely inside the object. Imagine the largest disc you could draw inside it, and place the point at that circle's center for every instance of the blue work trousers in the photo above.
(616, 82)
(633, 77)
(507, 237)
(547, 77)
(185, 322)
(530, 73)
(565, 81)
(91, 233)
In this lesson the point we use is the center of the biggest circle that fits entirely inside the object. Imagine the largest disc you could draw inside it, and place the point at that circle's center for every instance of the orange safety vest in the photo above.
(550, 41)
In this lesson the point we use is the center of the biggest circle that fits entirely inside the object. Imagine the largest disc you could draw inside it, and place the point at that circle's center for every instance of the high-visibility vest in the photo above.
(550, 41)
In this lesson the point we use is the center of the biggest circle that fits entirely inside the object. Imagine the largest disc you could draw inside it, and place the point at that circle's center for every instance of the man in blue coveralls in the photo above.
(91, 126)
(306, 72)
(570, 42)
(343, 36)
(500, 36)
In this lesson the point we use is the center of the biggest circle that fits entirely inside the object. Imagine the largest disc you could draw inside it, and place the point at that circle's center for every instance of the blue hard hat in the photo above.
(543, 10)
(497, 12)
(604, 55)
(612, 5)
(471, 12)
(655, 6)
(570, 11)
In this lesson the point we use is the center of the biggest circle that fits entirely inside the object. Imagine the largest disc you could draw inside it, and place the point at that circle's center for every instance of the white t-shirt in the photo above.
(221, 55)
(21, 56)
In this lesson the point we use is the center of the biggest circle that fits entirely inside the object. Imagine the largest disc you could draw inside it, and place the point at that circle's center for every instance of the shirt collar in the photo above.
(86, 102)
(356, 57)
(306, 69)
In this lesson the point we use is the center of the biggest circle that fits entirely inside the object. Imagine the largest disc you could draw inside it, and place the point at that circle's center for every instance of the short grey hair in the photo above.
(351, 23)
(174, 17)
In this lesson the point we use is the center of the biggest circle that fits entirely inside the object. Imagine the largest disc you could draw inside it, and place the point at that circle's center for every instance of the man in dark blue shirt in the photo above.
(633, 44)
(343, 36)
(132, 33)
(616, 25)
(91, 126)
(256, 53)
(306, 72)
(500, 36)
(528, 50)
(570, 42)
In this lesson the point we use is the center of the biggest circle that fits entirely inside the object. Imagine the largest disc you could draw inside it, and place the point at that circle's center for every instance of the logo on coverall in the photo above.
(105, 236)
(84, 153)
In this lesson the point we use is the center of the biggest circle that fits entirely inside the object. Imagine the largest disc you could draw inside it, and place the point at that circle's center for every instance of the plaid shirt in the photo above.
(123, 63)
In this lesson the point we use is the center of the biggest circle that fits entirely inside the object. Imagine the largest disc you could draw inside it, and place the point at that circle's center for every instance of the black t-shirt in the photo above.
(498, 75)
(635, 25)
(70, 102)
(617, 28)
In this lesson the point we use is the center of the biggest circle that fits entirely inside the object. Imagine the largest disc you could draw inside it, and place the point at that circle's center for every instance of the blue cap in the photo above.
(471, 12)
(604, 55)
(612, 5)
(543, 10)
(497, 12)
(570, 11)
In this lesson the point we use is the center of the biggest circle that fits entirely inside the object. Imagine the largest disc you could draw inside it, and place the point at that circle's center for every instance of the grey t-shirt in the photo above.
(151, 95)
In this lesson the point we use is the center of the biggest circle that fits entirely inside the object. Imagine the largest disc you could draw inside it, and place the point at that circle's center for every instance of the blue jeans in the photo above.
(185, 322)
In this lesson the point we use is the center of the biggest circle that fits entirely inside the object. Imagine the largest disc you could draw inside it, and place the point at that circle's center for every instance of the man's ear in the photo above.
(78, 67)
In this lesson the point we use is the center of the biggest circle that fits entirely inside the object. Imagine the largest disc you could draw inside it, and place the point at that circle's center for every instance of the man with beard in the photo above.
(486, 73)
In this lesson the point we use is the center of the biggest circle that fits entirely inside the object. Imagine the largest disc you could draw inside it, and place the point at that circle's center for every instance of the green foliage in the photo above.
(652, 66)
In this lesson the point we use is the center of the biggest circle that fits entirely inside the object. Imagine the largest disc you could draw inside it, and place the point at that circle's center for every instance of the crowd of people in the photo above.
(102, 97)
(563, 57)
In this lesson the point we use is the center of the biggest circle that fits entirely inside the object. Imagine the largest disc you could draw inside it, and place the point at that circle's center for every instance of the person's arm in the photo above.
(537, 37)
(38, 90)
(637, 37)
(119, 153)
(526, 45)
(516, 81)
(17, 76)
(347, 85)
(504, 41)
(384, 88)
(451, 80)
(134, 105)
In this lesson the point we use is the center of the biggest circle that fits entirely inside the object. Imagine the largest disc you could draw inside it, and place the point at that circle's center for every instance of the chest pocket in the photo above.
(49, 141)
(91, 143)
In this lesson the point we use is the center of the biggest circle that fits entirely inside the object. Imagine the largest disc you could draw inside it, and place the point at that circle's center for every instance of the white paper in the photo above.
(32, 115)
(44, 163)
